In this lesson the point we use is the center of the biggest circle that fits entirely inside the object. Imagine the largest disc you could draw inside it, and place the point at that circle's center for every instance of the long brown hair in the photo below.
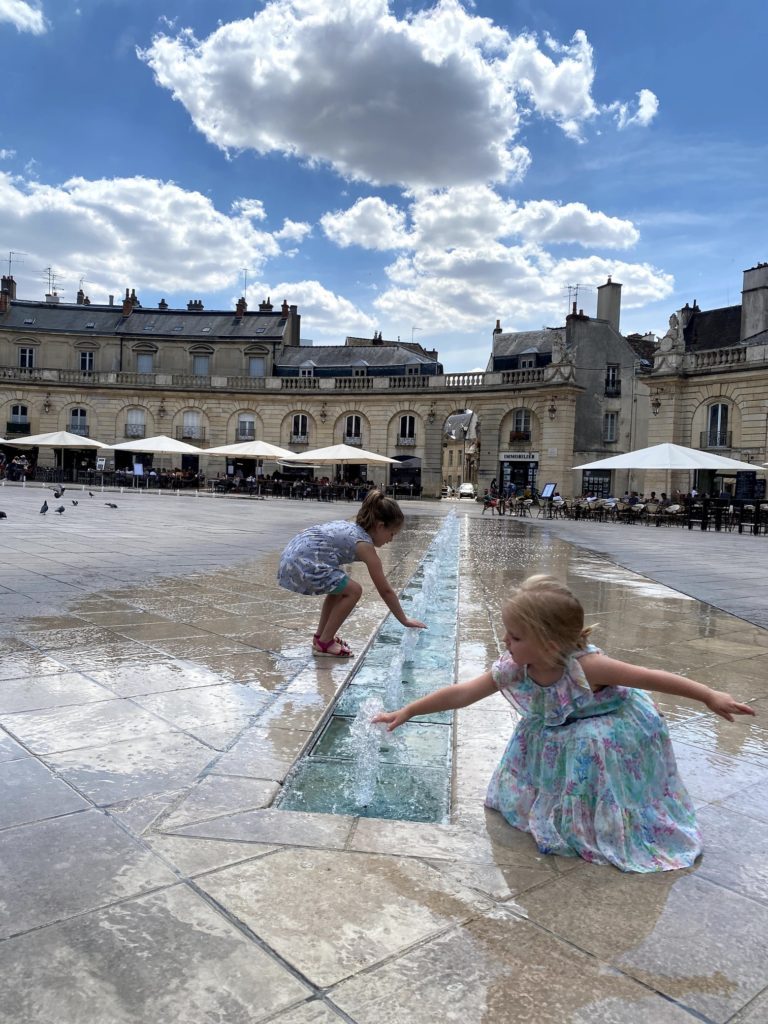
(379, 509)
(550, 614)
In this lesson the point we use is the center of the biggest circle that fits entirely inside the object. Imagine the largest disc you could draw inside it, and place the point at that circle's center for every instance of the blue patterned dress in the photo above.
(592, 775)
(311, 562)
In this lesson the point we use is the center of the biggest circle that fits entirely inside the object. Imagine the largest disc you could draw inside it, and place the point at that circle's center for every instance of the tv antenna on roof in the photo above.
(244, 271)
(412, 330)
(573, 295)
(51, 279)
(11, 254)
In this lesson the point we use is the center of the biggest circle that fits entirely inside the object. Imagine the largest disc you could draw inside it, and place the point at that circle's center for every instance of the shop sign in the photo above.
(518, 456)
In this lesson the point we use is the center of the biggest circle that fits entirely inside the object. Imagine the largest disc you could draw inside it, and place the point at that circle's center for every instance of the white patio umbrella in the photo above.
(160, 444)
(250, 450)
(57, 439)
(669, 456)
(338, 453)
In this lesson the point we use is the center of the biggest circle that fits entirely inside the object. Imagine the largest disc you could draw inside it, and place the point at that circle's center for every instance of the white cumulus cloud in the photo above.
(138, 231)
(427, 100)
(326, 317)
(26, 17)
(647, 108)
(370, 223)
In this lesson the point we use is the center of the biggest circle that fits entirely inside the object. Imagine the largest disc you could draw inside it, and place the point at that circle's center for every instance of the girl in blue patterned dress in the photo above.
(589, 770)
(311, 564)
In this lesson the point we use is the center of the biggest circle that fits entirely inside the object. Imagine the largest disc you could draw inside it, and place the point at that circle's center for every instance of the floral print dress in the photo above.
(592, 774)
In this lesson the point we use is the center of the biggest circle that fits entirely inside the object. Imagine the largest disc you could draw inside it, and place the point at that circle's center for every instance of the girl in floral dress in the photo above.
(589, 770)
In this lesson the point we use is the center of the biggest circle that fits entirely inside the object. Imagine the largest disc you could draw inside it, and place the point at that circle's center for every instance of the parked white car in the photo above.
(467, 491)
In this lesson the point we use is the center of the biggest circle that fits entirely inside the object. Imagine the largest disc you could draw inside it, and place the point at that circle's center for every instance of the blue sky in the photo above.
(417, 169)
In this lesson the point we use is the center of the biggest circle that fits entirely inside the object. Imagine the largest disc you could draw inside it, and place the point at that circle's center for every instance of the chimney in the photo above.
(265, 307)
(609, 303)
(134, 299)
(284, 310)
(241, 308)
(195, 305)
(754, 301)
(4, 301)
(80, 297)
(497, 328)
(127, 305)
(8, 286)
(162, 304)
(111, 300)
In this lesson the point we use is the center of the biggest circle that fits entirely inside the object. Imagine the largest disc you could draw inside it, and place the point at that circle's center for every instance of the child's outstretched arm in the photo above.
(603, 671)
(368, 554)
(460, 695)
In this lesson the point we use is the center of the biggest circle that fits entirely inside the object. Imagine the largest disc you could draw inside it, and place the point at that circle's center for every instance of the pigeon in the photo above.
(58, 493)
(90, 493)
(60, 509)
(43, 508)
(110, 504)
(75, 502)
(3, 515)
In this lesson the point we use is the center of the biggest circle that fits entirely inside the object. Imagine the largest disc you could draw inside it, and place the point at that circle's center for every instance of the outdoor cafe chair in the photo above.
(672, 515)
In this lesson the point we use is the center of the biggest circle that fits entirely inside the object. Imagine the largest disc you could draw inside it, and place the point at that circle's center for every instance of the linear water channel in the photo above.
(355, 767)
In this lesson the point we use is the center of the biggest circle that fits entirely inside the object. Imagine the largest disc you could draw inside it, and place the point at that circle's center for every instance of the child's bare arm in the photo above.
(460, 695)
(367, 553)
(603, 671)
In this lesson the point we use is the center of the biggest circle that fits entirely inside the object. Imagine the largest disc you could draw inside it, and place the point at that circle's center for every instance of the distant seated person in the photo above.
(634, 498)
(664, 501)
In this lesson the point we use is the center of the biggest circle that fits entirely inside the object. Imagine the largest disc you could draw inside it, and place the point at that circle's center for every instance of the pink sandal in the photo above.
(337, 638)
(323, 650)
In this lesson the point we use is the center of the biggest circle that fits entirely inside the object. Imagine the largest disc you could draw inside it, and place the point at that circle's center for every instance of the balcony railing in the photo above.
(191, 380)
(355, 440)
(190, 433)
(299, 439)
(405, 442)
(79, 429)
(532, 376)
(135, 430)
(353, 383)
(18, 427)
(246, 383)
(715, 439)
(299, 383)
(613, 389)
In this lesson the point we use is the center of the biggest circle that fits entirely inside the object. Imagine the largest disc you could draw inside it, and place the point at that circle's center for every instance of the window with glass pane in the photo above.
(78, 422)
(200, 365)
(257, 366)
(522, 421)
(610, 426)
(246, 428)
(26, 358)
(299, 425)
(306, 372)
(526, 362)
(408, 426)
(144, 362)
(353, 426)
(135, 423)
(86, 362)
(192, 424)
(717, 421)
(19, 414)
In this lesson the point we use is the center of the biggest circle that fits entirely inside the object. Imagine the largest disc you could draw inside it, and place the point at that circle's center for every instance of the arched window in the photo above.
(521, 425)
(407, 434)
(19, 414)
(299, 432)
(718, 435)
(136, 423)
(246, 427)
(353, 433)
(78, 422)
(192, 426)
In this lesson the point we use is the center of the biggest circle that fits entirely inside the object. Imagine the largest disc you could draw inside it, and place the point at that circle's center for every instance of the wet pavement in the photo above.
(156, 687)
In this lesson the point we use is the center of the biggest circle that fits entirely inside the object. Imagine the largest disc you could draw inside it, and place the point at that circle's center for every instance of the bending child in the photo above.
(311, 564)
(589, 770)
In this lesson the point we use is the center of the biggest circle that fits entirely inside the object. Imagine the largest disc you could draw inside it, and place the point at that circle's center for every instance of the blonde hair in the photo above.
(549, 613)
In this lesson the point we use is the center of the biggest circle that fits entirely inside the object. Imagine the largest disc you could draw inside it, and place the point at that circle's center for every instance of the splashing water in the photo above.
(366, 739)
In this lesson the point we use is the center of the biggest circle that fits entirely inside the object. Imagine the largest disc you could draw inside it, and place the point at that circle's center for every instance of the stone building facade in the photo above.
(709, 383)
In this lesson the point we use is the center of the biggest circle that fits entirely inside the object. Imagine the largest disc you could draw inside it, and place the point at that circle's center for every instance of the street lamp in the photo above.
(464, 432)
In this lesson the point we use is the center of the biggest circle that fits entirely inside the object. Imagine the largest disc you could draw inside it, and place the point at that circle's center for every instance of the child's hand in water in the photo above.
(392, 718)
(723, 704)
(415, 624)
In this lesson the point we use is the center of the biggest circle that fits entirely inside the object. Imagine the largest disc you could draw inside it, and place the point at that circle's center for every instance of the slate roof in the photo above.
(519, 342)
(65, 318)
(355, 355)
(643, 346)
(713, 328)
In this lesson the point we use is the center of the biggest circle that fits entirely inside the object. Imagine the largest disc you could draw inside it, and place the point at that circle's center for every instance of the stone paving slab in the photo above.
(170, 892)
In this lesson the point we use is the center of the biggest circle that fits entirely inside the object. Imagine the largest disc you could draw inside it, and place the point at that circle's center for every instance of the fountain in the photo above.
(357, 767)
